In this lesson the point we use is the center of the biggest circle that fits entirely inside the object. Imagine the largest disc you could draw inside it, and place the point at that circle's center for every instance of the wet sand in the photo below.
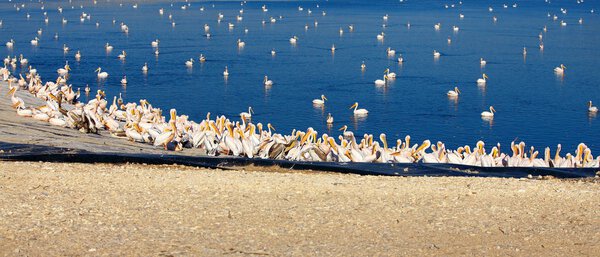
(100, 209)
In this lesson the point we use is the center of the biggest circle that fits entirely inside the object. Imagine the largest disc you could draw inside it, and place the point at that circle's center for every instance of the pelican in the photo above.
(437, 26)
(381, 82)
(400, 59)
(390, 51)
(482, 61)
(592, 108)
(77, 56)
(332, 48)
(436, 53)
(390, 75)
(65, 48)
(380, 36)
(563, 23)
(247, 115)
(145, 67)
(202, 58)
(358, 111)
(101, 74)
(22, 60)
(453, 93)
(35, 41)
(483, 79)
(155, 43)
(108, 47)
(560, 70)
(156, 52)
(189, 63)
(490, 113)
(319, 101)
(363, 65)
(240, 43)
(124, 80)
(64, 71)
(524, 50)
(455, 28)
(226, 72)
(267, 82)
(329, 119)
(122, 55)
(293, 39)
(273, 52)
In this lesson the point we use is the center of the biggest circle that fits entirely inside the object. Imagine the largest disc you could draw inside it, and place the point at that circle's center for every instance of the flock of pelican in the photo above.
(221, 136)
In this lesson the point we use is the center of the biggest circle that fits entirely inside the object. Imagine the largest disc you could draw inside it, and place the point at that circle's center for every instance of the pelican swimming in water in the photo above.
(155, 43)
(202, 58)
(400, 59)
(267, 82)
(10, 43)
(333, 48)
(560, 69)
(358, 111)
(483, 79)
(436, 53)
(453, 93)
(390, 75)
(145, 67)
(65, 70)
(273, 52)
(124, 80)
(226, 72)
(34, 42)
(240, 43)
(122, 55)
(101, 74)
(390, 51)
(78, 56)
(65, 48)
(482, 62)
(490, 113)
(320, 101)
(591, 108)
(293, 39)
(189, 63)
(382, 82)
(329, 118)
(380, 36)
(363, 65)
(247, 115)
(108, 47)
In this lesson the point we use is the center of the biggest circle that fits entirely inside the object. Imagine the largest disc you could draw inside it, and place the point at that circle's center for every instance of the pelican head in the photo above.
(354, 105)
(325, 98)
(270, 126)
(456, 90)
(485, 76)
(98, 70)
(492, 109)
(343, 128)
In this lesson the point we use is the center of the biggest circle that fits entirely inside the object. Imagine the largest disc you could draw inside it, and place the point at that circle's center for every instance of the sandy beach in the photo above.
(141, 210)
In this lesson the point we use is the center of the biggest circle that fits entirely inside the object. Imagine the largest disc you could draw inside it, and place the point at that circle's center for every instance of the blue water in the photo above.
(533, 103)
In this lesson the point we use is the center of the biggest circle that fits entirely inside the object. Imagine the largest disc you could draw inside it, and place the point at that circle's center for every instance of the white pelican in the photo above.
(124, 80)
(206, 27)
(400, 59)
(380, 36)
(455, 28)
(156, 52)
(436, 53)
(226, 72)
(483, 79)
(490, 113)
(202, 58)
(390, 75)
(482, 61)
(358, 111)
(189, 63)
(592, 108)
(145, 67)
(122, 55)
(560, 70)
(108, 47)
(524, 50)
(319, 101)
(381, 82)
(240, 43)
(333, 48)
(65, 48)
(453, 93)
(449, 40)
(273, 52)
(293, 39)
(77, 56)
(437, 26)
(390, 51)
(101, 74)
(329, 119)
(34, 42)
(64, 71)
(22, 60)
(155, 43)
(385, 17)
(363, 65)
(247, 115)
(563, 23)
(267, 82)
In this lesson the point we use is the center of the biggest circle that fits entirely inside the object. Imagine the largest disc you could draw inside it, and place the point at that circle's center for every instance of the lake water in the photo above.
(533, 103)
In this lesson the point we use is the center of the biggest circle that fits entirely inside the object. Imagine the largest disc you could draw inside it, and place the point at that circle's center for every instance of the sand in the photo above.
(50, 209)
(126, 210)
